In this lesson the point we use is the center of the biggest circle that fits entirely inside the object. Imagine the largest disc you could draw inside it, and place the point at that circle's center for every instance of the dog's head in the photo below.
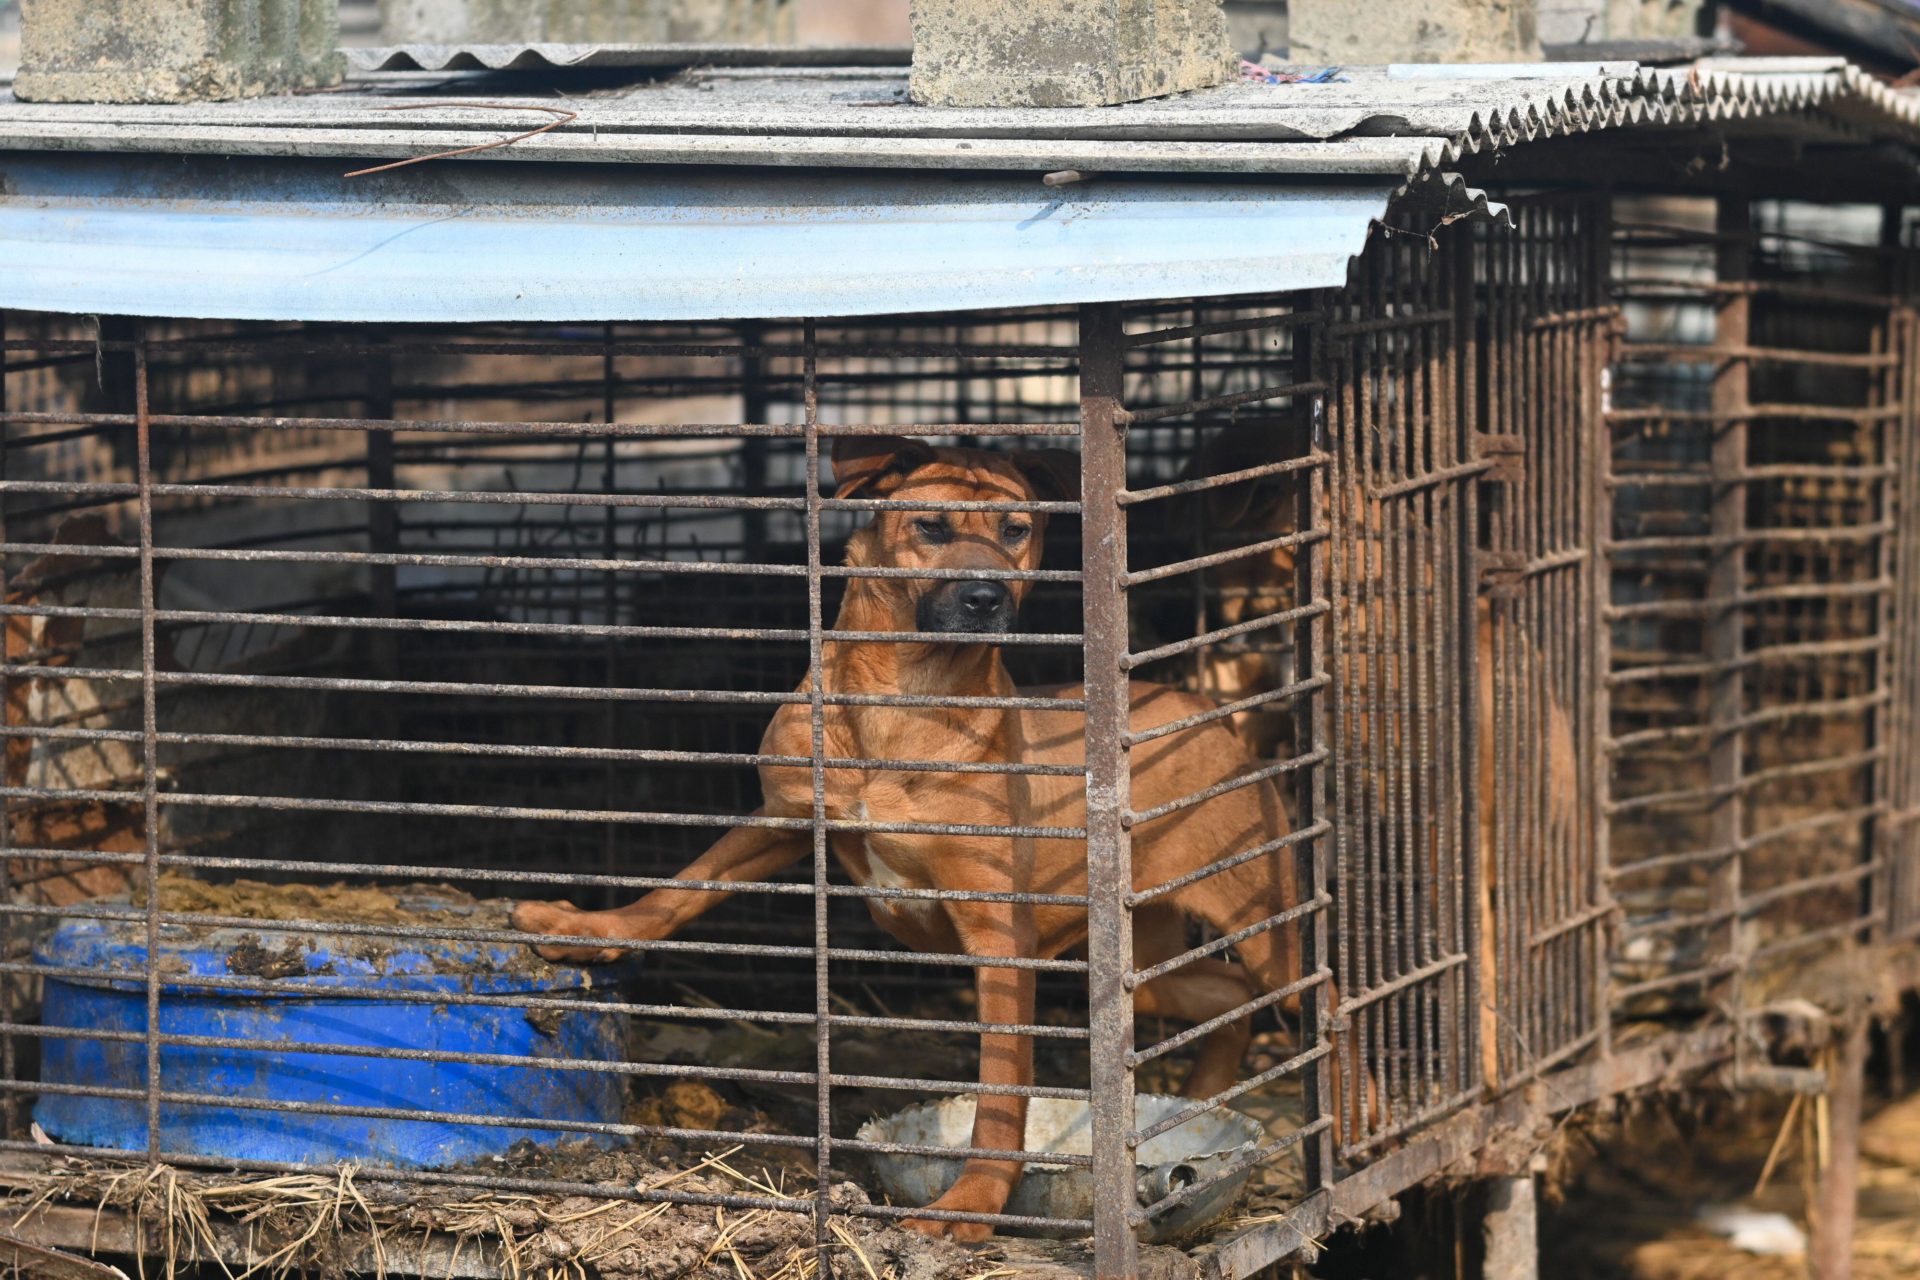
(959, 544)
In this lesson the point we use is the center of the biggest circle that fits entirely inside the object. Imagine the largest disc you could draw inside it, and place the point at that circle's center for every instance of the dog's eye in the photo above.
(933, 528)
(1014, 530)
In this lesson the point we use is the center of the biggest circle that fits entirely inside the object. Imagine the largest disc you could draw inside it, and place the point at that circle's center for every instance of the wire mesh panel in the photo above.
(1401, 565)
(1543, 349)
(1751, 563)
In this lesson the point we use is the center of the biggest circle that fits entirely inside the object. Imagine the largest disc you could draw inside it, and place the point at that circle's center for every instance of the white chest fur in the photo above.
(881, 874)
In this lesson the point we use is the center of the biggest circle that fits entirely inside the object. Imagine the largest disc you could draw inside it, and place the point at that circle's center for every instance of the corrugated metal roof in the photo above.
(288, 241)
(780, 222)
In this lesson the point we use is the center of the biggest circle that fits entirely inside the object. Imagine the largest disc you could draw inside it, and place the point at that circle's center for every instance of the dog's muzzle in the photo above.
(966, 607)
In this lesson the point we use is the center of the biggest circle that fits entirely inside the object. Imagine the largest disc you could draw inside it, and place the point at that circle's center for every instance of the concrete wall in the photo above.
(584, 21)
(1350, 32)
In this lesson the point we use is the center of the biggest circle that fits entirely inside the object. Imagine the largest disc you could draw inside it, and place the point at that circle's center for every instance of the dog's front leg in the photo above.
(743, 855)
(1000, 1124)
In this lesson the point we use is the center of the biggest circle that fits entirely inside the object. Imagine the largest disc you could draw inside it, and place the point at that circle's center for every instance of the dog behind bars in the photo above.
(947, 665)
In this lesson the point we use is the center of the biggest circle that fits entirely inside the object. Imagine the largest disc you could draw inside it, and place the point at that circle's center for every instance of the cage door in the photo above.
(1401, 563)
(1545, 324)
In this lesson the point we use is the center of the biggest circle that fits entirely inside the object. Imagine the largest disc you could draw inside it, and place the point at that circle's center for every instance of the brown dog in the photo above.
(946, 664)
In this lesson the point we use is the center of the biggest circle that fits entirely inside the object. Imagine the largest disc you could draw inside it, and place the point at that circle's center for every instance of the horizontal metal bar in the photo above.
(1754, 535)
(1132, 497)
(1138, 978)
(1204, 1105)
(1253, 777)
(572, 630)
(1312, 609)
(1428, 479)
(1214, 327)
(558, 692)
(1228, 709)
(538, 429)
(531, 813)
(1699, 975)
(1139, 577)
(1243, 1010)
(1413, 977)
(1708, 605)
(1759, 412)
(577, 564)
(1755, 901)
(1281, 391)
(1319, 828)
(1634, 351)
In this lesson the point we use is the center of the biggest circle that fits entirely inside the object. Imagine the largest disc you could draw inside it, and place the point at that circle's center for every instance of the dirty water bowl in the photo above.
(270, 1085)
(1187, 1154)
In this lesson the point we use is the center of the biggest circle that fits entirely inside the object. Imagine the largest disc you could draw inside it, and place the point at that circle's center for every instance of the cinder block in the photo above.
(1583, 21)
(1066, 53)
(174, 50)
(1359, 32)
(583, 21)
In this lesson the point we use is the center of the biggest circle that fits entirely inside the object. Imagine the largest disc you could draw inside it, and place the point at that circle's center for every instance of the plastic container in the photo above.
(269, 1019)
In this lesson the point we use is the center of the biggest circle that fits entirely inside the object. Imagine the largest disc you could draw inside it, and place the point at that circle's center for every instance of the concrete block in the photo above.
(583, 21)
(1066, 53)
(1343, 32)
(1590, 21)
(174, 50)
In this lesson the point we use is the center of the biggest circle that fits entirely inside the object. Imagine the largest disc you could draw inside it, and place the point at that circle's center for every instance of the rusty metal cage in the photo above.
(1484, 585)
(1758, 425)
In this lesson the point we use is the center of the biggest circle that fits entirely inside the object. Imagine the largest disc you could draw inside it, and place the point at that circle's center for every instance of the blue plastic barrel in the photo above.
(264, 1076)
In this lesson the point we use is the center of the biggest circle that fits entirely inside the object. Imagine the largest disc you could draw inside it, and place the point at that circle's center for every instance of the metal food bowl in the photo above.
(1187, 1154)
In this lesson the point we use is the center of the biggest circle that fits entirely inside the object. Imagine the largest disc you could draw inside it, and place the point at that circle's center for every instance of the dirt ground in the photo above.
(1637, 1209)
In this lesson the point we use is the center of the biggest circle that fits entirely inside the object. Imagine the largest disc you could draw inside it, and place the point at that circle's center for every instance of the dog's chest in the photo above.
(874, 865)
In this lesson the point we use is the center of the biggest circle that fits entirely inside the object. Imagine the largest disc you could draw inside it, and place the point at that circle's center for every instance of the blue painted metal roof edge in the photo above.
(284, 239)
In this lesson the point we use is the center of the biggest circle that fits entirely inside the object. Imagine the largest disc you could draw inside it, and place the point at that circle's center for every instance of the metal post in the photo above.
(1510, 1230)
(817, 719)
(1726, 579)
(1311, 507)
(1830, 1250)
(150, 733)
(10, 1109)
(1103, 475)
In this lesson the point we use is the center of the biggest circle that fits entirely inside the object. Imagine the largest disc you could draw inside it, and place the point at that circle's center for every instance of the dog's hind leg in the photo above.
(1196, 992)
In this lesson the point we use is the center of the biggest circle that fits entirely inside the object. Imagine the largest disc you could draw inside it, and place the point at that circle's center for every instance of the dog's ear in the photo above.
(862, 461)
(1053, 473)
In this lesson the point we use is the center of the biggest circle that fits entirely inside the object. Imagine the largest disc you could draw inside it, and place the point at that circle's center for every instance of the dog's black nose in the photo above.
(982, 599)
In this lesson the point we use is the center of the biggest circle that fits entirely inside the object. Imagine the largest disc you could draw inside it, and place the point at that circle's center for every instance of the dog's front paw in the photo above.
(973, 1193)
(958, 1232)
(564, 919)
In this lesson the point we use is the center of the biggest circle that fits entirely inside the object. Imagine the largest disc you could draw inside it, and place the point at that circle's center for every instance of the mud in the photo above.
(252, 959)
(405, 906)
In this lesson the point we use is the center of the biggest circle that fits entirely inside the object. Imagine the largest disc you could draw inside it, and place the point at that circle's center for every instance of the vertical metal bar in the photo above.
(817, 717)
(1600, 532)
(610, 600)
(383, 518)
(755, 406)
(1883, 719)
(1310, 733)
(150, 729)
(1103, 473)
(9, 1070)
(1726, 576)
